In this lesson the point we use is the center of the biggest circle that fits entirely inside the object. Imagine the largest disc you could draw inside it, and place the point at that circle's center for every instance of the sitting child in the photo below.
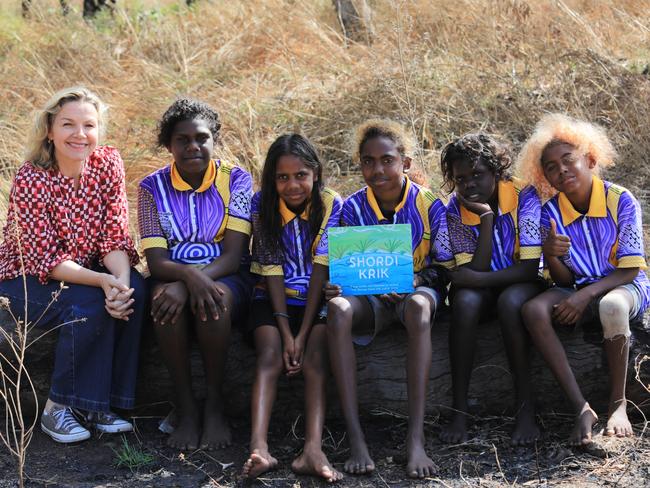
(194, 218)
(593, 249)
(382, 149)
(291, 216)
(493, 223)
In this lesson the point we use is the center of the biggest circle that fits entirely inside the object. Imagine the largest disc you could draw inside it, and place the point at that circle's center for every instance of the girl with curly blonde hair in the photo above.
(593, 250)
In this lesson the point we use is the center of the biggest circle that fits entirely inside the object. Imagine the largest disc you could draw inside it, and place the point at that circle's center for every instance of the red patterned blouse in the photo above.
(49, 221)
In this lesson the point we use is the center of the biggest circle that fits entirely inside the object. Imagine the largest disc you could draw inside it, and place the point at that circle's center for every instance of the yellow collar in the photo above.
(597, 203)
(372, 200)
(288, 215)
(507, 203)
(208, 178)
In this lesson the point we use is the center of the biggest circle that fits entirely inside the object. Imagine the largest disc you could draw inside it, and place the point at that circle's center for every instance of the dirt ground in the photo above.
(486, 460)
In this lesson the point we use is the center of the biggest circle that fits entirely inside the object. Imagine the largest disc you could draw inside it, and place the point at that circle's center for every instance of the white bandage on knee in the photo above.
(614, 310)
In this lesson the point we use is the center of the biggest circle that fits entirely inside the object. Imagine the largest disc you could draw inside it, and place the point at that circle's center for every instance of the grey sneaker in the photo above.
(62, 426)
(108, 423)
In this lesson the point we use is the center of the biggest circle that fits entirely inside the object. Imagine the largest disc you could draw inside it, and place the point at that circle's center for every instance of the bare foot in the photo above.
(581, 432)
(456, 431)
(419, 465)
(360, 461)
(216, 432)
(618, 423)
(313, 462)
(526, 431)
(260, 461)
(186, 434)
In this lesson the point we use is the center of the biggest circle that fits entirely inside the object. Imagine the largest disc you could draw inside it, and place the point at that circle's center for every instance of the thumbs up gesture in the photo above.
(556, 245)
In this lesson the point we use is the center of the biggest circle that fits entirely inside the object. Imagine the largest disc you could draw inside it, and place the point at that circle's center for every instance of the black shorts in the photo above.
(261, 313)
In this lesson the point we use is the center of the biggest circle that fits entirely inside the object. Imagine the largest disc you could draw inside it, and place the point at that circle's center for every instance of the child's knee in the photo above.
(533, 313)
(418, 304)
(467, 300)
(339, 312)
(614, 316)
(510, 302)
(418, 310)
(269, 360)
(314, 366)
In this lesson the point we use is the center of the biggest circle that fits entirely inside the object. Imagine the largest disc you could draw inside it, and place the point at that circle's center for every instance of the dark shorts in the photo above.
(262, 314)
(489, 310)
(241, 285)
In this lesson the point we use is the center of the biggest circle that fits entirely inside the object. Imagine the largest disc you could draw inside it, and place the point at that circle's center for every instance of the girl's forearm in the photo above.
(619, 277)
(517, 273)
(561, 275)
(278, 297)
(228, 263)
(317, 280)
(483, 254)
(162, 268)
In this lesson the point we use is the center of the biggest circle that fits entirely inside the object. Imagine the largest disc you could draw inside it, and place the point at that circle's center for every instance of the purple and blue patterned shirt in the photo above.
(420, 208)
(192, 223)
(300, 250)
(607, 237)
(516, 233)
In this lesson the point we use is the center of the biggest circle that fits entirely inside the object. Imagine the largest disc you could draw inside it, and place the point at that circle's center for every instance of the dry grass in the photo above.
(271, 66)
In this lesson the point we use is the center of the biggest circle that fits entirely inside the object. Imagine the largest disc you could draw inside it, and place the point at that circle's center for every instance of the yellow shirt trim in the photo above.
(322, 259)
(530, 252)
(632, 262)
(208, 178)
(451, 264)
(153, 242)
(239, 225)
(463, 258)
(508, 199)
(372, 200)
(222, 182)
(267, 270)
(288, 215)
(597, 203)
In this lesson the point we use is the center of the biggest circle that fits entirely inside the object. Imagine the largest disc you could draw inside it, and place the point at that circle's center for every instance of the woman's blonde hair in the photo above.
(589, 139)
(39, 149)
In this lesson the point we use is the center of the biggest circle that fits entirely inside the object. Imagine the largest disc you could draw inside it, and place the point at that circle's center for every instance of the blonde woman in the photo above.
(68, 222)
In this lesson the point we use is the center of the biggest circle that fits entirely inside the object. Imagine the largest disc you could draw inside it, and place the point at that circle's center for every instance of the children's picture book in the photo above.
(372, 259)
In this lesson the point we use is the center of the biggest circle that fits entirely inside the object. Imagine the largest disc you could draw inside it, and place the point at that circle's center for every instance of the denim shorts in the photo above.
(591, 313)
(388, 314)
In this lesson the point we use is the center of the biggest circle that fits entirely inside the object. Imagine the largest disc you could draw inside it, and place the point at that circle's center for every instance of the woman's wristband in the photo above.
(489, 212)
(281, 314)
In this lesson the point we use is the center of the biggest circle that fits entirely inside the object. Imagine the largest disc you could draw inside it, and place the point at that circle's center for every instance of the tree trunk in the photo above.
(354, 17)
(91, 7)
(27, 5)
(382, 375)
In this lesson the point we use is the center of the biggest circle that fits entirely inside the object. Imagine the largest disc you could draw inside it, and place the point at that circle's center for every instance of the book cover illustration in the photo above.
(371, 260)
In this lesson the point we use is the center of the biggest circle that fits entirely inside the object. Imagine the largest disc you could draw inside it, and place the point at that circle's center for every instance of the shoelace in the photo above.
(65, 420)
(105, 418)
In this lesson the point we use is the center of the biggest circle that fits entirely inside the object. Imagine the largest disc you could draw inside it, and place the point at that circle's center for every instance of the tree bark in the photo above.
(91, 7)
(355, 19)
(382, 376)
(27, 5)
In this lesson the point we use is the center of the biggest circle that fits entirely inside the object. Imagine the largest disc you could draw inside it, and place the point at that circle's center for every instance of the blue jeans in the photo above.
(96, 359)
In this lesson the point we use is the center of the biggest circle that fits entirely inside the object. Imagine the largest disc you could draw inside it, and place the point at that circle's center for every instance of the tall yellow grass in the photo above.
(271, 66)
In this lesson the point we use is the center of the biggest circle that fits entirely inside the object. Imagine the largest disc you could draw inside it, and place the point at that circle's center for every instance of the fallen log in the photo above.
(382, 376)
